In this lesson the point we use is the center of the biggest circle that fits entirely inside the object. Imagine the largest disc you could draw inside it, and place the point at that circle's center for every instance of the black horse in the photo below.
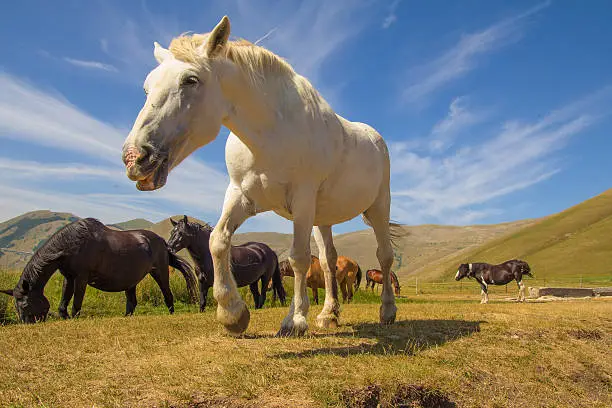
(86, 252)
(250, 262)
(501, 274)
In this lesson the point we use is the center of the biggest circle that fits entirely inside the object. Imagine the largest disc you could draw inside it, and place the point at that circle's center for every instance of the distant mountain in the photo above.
(575, 241)
(423, 244)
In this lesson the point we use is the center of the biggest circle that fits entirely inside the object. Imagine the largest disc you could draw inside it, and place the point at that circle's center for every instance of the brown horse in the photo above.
(501, 274)
(374, 276)
(86, 252)
(348, 276)
(251, 262)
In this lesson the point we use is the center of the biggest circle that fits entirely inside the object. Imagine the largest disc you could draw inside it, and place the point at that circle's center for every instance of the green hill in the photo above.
(138, 223)
(27, 233)
(576, 242)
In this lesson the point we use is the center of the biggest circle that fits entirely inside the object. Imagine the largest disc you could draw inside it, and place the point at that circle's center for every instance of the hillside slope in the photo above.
(576, 242)
(138, 223)
(27, 232)
(424, 243)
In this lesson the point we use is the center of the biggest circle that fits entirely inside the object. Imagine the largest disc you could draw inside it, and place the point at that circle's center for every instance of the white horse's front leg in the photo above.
(328, 257)
(231, 309)
(303, 206)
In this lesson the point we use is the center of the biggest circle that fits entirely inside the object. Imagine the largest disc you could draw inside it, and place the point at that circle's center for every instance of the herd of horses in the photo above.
(86, 252)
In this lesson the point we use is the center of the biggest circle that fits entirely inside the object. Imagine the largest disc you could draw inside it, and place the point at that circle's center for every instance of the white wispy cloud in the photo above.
(459, 119)
(307, 35)
(391, 17)
(90, 64)
(20, 169)
(463, 56)
(43, 118)
(457, 187)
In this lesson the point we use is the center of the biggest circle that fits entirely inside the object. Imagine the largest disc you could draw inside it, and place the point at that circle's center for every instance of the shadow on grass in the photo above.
(404, 337)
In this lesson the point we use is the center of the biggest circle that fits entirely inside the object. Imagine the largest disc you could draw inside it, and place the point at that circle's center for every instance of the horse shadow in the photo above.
(407, 337)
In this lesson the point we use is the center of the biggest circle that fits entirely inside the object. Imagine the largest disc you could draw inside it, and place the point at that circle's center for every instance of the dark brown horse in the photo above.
(250, 262)
(501, 274)
(348, 276)
(374, 276)
(86, 252)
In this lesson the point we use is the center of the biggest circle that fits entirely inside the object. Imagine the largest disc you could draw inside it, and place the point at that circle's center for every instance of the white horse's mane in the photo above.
(260, 66)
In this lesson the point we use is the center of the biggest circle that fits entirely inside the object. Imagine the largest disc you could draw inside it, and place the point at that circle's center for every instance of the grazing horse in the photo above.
(348, 275)
(374, 276)
(86, 252)
(501, 274)
(251, 262)
(276, 119)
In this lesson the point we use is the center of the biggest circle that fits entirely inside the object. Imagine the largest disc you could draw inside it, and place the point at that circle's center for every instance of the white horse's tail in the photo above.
(396, 231)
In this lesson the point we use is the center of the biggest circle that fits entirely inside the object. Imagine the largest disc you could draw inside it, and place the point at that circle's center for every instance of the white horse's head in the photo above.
(184, 109)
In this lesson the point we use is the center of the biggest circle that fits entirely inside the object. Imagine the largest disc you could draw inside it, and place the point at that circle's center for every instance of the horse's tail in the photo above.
(277, 284)
(358, 277)
(179, 263)
(394, 277)
(396, 231)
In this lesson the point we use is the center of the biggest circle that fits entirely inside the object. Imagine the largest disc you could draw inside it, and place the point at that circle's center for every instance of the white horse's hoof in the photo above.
(388, 312)
(295, 327)
(327, 321)
(237, 322)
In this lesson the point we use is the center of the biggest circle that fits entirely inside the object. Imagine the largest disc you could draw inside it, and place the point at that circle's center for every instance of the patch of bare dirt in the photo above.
(234, 402)
(585, 334)
(406, 396)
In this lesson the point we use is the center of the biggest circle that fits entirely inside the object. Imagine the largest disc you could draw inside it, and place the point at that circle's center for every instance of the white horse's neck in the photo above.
(278, 105)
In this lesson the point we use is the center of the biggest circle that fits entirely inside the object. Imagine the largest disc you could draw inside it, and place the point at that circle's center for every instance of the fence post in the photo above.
(580, 280)
(416, 286)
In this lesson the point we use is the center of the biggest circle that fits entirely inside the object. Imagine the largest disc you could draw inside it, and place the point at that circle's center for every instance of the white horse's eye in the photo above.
(190, 80)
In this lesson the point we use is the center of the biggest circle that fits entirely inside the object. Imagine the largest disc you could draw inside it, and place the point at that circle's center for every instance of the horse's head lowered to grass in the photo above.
(32, 306)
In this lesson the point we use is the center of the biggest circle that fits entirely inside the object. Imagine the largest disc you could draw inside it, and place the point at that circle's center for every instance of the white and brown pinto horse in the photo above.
(501, 274)
(288, 152)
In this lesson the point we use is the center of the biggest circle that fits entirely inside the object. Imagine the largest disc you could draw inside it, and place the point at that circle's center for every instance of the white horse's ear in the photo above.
(218, 38)
(160, 53)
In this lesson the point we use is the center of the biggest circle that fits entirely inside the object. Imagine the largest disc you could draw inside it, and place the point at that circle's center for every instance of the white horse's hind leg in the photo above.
(328, 257)
(378, 217)
(231, 309)
(303, 206)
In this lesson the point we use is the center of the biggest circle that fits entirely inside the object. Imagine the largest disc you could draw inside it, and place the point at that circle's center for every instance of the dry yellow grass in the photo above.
(501, 354)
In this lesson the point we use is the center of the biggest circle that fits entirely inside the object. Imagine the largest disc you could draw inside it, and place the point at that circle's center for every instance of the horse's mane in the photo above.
(65, 241)
(205, 226)
(258, 65)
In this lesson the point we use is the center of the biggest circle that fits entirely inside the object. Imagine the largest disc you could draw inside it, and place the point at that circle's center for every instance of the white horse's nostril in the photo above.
(130, 157)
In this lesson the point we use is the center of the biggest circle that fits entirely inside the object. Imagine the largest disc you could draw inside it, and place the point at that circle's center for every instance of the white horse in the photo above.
(287, 152)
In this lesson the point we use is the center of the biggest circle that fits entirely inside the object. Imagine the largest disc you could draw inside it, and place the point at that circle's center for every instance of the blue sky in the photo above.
(493, 111)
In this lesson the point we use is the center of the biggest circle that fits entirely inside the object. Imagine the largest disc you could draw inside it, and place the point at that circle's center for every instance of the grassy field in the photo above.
(444, 349)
